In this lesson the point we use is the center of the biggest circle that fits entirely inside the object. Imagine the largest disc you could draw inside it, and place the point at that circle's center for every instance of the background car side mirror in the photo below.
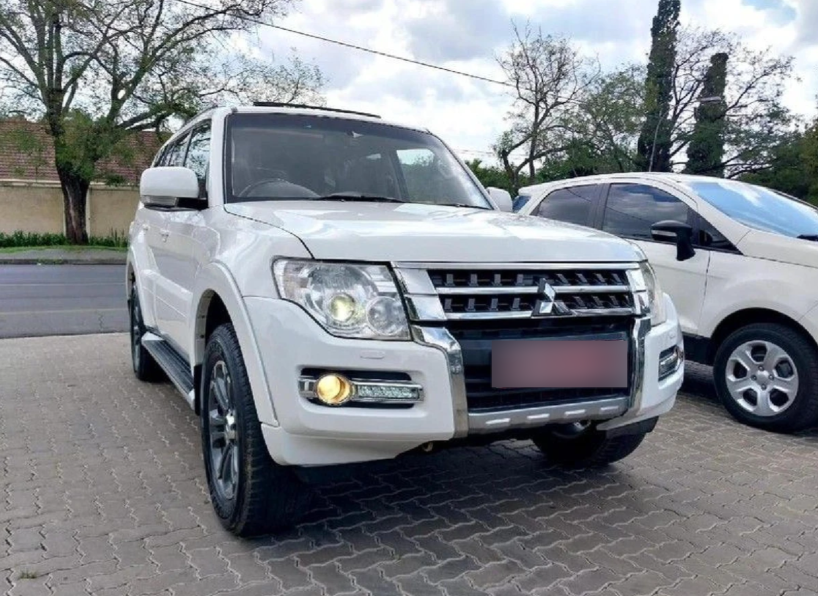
(501, 198)
(678, 232)
(164, 186)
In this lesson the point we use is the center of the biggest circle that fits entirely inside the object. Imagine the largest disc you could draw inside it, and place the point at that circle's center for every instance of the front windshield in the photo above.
(302, 157)
(759, 208)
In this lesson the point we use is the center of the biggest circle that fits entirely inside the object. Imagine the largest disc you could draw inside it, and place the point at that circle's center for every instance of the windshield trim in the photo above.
(227, 162)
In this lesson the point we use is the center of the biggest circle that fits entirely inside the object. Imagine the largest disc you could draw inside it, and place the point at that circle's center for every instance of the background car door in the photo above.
(183, 227)
(630, 210)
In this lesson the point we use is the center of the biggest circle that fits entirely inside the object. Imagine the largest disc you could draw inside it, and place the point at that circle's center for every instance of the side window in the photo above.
(632, 209)
(571, 205)
(175, 153)
(198, 154)
(710, 238)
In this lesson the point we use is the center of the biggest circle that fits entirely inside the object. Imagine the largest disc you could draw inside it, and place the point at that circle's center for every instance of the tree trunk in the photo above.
(74, 192)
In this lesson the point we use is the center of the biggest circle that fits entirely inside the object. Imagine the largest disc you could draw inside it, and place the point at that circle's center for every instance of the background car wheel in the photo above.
(250, 492)
(579, 445)
(144, 366)
(767, 376)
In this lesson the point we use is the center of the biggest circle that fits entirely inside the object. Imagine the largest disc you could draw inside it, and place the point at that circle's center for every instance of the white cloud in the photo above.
(468, 35)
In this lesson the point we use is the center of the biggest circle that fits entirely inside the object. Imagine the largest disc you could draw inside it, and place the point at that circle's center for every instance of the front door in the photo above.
(630, 211)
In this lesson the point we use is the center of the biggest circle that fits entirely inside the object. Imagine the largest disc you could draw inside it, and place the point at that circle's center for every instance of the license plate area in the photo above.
(559, 363)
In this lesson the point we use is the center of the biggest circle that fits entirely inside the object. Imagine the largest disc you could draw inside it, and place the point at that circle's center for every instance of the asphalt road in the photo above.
(61, 300)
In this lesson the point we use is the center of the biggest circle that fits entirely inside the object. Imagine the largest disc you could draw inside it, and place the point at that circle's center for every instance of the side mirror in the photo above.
(163, 187)
(501, 198)
(678, 232)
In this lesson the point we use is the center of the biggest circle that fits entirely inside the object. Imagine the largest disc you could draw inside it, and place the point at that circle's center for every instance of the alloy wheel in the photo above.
(762, 378)
(223, 432)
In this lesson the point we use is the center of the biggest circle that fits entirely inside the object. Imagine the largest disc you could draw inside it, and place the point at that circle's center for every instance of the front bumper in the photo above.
(310, 434)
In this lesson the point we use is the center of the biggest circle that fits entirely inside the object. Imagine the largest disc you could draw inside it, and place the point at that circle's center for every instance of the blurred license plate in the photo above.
(559, 364)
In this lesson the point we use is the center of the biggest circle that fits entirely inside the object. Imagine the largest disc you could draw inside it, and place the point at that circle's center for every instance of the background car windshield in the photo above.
(295, 157)
(759, 207)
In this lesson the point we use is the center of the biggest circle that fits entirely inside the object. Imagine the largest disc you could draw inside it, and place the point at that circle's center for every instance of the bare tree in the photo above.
(754, 116)
(550, 78)
(95, 71)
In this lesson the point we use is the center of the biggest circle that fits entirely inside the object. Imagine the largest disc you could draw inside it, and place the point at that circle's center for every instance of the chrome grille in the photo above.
(437, 292)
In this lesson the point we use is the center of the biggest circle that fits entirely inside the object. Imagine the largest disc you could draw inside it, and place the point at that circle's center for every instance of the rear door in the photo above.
(166, 295)
(629, 211)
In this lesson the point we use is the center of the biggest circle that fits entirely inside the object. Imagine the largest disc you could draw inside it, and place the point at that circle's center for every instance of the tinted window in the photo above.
(759, 208)
(633, 208)
(571, 205)
(519, 202)
(710, 237)
(175, 153)
(198, 153)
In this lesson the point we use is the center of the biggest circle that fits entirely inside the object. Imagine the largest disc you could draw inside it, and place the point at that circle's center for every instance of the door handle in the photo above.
(145, 227)
(164, 234)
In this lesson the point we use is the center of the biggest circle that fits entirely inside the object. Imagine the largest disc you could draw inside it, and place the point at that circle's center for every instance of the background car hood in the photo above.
(776, 247)
(414, 232)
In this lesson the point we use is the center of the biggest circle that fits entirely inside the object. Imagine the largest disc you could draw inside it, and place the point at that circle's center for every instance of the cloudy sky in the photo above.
(467, 35)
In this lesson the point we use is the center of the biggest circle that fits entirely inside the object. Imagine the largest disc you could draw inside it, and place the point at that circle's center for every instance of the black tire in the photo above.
(588, 448)
(803, 357)
(144, 366)
(261, 496)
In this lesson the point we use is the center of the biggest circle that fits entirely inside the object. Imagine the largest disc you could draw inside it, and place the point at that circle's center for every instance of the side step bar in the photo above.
(174, 365)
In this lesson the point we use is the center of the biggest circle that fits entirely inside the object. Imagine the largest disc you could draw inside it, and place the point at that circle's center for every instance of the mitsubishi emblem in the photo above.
(545, 303)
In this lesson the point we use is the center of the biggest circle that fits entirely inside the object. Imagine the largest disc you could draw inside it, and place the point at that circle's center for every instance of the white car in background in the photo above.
(741, 264)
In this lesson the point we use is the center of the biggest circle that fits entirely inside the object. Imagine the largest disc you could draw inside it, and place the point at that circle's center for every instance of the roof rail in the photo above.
(278, 104)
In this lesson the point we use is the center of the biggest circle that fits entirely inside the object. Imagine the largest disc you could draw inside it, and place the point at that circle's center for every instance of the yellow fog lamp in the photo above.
(333, 390)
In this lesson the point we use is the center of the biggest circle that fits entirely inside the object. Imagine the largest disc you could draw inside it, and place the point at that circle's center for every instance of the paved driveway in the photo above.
(102, 493)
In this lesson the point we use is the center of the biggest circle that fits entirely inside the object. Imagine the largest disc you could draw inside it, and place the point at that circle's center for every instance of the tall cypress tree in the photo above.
(705, 153)
(654, 141)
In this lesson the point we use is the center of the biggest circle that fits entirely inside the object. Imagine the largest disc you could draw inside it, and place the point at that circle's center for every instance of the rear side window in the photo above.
(571, 205)
(632, 209)
(519, 202)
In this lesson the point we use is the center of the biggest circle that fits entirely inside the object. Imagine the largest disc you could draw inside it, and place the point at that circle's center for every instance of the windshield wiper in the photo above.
(813, 237)
(357, 196)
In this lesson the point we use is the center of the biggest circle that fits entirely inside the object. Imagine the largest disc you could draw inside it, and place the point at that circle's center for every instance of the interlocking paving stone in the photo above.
(102, 493)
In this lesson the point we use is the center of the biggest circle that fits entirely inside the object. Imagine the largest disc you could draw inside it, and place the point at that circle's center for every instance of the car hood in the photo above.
(776, 247)
(430, 233)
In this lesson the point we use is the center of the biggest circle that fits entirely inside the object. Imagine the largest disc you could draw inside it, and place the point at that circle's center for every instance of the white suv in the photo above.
(324, 288)
(741, 264)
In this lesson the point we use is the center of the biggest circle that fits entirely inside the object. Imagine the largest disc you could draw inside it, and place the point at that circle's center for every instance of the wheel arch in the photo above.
(219, 301)
(749, 316)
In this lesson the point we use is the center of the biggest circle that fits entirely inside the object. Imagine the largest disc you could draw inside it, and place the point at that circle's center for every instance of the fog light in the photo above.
(669, 361)
(333, 390)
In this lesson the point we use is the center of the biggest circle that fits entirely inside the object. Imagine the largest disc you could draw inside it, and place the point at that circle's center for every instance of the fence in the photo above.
(38, 207)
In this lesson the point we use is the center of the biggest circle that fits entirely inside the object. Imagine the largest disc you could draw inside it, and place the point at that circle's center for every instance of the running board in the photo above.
(174, 365)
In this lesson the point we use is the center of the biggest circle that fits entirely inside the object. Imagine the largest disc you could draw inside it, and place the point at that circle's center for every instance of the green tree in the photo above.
(96, 71)
(705, 153)
(489, 175)
(655, 143)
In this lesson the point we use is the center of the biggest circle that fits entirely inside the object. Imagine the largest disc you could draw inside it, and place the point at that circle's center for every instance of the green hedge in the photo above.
(26, 239)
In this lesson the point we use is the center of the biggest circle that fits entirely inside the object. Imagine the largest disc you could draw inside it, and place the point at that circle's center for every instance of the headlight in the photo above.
(649, 292)
(359, 301)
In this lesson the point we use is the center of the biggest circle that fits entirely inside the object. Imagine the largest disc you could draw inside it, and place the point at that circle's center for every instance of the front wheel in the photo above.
(251, 494)
(767, 376)
(579, 445)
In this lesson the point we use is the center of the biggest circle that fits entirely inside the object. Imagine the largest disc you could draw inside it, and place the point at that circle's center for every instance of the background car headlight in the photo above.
(649, 292)
(359, 301)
